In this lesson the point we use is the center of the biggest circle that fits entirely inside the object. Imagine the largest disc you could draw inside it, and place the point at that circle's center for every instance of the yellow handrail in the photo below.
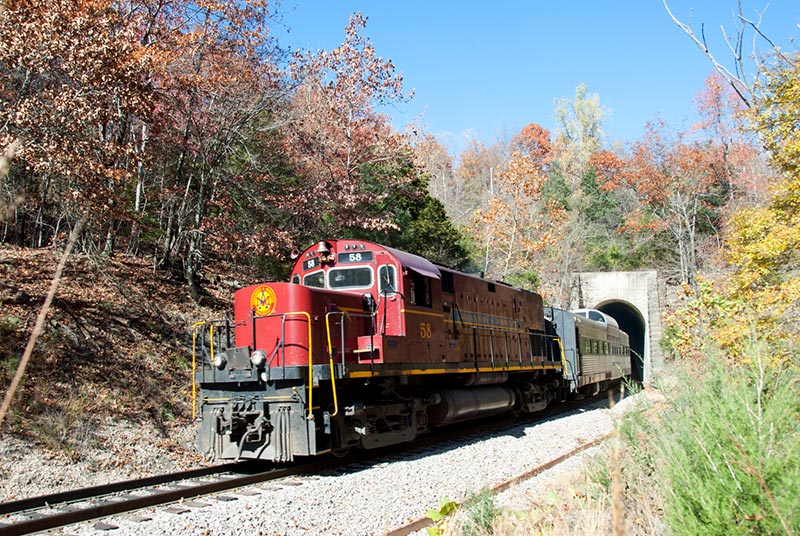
(194, 367)
(564, 362)
(211, 340)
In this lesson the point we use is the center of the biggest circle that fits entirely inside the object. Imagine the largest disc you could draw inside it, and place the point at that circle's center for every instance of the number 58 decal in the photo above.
(425, 330)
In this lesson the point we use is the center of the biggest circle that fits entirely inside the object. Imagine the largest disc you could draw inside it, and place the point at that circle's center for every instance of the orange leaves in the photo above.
(533, 141)
(608, 167)
(523, 175)
(514, 223)
(72, 89)
(677, 183)
(337, 141)
(661, 166)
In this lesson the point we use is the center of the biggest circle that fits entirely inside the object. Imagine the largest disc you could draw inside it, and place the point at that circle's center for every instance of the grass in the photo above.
(65, 425)
(478, 515)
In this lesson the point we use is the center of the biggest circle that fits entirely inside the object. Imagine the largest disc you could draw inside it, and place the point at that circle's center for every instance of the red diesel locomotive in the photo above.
(369, 346)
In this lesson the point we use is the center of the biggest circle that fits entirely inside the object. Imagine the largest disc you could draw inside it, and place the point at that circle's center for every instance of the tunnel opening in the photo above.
(631, 322)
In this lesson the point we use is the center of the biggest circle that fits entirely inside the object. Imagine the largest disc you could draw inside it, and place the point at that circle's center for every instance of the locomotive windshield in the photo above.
(347, 278)
(316, 279)
(352, 277)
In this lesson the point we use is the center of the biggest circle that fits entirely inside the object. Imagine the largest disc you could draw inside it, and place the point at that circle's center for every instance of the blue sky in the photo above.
(487, 69)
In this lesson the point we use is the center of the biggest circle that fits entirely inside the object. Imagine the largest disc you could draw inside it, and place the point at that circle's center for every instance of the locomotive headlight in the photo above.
(220, 361)
(258, 358)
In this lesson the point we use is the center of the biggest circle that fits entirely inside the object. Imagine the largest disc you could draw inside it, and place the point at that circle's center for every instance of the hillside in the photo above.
(108, 385)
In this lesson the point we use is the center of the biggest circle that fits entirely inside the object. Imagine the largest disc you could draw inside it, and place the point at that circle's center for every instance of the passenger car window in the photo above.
(594, 315)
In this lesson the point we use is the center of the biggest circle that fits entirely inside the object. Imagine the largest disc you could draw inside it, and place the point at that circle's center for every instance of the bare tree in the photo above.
(738, 75)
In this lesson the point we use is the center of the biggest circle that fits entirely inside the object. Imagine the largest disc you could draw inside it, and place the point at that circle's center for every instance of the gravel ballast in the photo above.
(372, 499)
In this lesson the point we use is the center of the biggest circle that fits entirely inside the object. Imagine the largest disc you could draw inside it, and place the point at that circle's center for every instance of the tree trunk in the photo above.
(194, 258)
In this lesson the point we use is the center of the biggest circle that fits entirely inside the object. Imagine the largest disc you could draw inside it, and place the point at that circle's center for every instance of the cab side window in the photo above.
(387, 279)
(420, 291)
(315, 279)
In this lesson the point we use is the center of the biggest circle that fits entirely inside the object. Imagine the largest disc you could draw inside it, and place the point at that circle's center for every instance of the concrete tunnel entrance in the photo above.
(630, 321)
(632, 298)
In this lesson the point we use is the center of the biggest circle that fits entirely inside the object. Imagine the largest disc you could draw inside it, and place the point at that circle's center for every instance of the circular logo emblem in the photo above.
(262, 300)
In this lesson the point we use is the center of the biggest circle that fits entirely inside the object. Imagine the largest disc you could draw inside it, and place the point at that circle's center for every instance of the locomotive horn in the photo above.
(294, 253)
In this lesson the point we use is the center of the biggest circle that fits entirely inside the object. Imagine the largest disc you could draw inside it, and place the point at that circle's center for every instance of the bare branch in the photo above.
(37, 330)
(738, 84)
(758, 33)
(741, 83)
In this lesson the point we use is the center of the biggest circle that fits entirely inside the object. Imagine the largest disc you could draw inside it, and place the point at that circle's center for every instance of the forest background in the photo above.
(184, 135)
(187, 134)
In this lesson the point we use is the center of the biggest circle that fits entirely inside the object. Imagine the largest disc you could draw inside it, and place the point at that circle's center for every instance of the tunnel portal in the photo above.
(632, 298)
(631, 322)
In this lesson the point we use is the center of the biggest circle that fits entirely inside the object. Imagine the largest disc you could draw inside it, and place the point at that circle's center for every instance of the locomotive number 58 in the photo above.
(425, 330)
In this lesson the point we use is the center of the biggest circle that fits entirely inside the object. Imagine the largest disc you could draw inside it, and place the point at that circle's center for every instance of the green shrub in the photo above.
(726, 454)
(478, 515)
(9, 325)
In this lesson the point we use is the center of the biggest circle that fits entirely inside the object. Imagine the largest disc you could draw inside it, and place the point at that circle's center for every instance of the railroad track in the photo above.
(57, 510)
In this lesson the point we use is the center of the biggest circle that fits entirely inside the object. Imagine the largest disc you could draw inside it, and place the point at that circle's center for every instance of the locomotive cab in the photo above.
(404, 290)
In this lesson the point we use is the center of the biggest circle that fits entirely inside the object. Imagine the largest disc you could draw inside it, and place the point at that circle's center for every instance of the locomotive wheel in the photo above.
(341, 452)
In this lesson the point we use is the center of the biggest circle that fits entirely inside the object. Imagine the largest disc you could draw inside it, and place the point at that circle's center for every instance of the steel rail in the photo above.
(115, 505)
(30, 503)
(112, 505)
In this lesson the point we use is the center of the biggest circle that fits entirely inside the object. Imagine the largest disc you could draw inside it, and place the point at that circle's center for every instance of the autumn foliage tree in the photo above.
(183, 131)
(513, 226)
(218, 88)
(437, 161)
(754, 307)
(473, 181)
(764, 241)
(675, 182)
(74, 88)
(337, 139)
(739, 164)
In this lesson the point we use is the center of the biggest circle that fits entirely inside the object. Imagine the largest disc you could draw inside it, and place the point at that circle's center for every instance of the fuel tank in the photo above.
(464, 404)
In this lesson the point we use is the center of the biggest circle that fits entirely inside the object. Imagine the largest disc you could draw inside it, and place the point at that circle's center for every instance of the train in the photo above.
(368, 346)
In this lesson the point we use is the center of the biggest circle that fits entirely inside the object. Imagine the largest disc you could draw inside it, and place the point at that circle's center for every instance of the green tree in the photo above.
(579, 135)
(418, 222)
